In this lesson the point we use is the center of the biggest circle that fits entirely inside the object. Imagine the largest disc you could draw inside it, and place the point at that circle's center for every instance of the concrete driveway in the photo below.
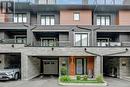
(52, 82)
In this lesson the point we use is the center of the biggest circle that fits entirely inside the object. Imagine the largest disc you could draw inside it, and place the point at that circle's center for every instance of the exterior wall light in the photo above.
(63, 63)
(52, 49)
(12, 45)
(124, 63)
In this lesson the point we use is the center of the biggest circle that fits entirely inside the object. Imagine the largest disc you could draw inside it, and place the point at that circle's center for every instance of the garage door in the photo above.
(50, 67)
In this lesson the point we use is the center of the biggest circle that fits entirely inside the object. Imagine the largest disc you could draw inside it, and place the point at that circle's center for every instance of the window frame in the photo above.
(74, 13)
(18, 16)
(45, 20)
(105, 20)
(81, 33)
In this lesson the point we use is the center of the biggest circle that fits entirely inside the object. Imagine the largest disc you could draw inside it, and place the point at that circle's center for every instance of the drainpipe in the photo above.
(29, 34)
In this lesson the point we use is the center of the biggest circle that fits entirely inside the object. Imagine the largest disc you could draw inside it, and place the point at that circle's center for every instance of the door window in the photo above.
(79, 66)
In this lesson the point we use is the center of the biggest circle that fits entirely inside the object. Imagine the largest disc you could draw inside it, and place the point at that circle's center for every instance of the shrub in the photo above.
(85, 77)
(63, 71)
(65, 78)
(78, 77)
(100, 78)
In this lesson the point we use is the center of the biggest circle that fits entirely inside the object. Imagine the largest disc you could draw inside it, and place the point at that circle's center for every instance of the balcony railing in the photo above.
(125, 43)
(53, 44)
(113, 44)
(109, 44)
(62, 43)
(11, 41)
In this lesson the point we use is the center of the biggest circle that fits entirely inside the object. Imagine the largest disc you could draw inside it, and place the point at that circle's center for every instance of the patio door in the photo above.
(79, 66)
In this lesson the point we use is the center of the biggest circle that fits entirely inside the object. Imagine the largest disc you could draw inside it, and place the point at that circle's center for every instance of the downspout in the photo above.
(29, 32)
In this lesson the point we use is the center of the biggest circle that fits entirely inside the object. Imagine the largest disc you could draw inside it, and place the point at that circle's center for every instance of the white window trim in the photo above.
(50, 21)
(104, 15)
(74, 15)
(16, 16)
(81, 33)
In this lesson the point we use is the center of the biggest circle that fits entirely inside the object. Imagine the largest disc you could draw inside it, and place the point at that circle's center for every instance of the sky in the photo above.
(80, 1)
(89, 1)
(69, 1)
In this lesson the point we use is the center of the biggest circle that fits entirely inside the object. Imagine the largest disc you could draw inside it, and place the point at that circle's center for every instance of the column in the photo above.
(98, 65)
(63, 62)
(24, 66)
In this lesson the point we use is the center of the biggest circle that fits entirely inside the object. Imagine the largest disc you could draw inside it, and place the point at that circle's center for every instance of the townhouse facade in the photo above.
(90, 39)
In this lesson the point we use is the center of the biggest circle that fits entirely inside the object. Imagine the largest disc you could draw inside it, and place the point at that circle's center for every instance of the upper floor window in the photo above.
(47, 1)
(103, 20)
(76, 16)
(81, 39)
(20, 18)
(48, 20)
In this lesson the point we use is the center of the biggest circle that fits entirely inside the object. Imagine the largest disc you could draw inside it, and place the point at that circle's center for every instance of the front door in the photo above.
(79, 66)
(50, 67)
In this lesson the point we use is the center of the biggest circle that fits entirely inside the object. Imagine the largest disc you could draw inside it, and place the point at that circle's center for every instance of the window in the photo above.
(47, 1)
(103, 20)
(81, 39)
(20, 18)
(76, 16)
(48, 20)
(79, 66)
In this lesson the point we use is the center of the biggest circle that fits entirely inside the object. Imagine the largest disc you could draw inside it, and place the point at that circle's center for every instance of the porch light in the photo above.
(63, 63)
(124, 63)
(52, 48)
(12, 45)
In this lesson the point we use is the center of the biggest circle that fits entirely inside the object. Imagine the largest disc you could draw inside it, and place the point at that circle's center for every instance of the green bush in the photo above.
(85, 77)
(78, 77)
(65, 78)
(100, 78)
(63, 71)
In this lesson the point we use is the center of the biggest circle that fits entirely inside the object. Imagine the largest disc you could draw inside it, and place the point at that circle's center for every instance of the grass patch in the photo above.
(81, 81)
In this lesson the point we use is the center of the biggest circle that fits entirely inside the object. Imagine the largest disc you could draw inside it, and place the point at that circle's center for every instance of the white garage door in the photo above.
(50, 67)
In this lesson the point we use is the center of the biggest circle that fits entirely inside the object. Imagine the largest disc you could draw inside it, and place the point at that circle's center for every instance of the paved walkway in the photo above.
(52, 82)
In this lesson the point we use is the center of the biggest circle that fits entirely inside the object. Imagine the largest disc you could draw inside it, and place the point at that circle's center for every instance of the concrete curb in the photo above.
(86, 84)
